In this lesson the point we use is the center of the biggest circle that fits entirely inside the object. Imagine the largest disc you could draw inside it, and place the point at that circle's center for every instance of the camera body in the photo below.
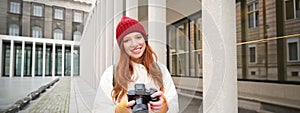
(142, 96)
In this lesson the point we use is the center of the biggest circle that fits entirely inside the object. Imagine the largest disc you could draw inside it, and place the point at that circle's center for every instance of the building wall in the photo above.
(26, 20)
(3, 17)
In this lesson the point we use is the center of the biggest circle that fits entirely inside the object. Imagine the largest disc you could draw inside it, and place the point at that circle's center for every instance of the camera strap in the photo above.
(113, 82)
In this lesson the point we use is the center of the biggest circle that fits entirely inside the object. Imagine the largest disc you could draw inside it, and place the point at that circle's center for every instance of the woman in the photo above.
(137, 64)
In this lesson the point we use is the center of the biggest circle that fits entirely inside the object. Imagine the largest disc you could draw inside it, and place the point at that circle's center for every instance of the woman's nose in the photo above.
(134, 42)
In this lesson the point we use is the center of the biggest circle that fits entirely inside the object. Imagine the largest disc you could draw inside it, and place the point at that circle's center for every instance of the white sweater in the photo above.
(103, 101)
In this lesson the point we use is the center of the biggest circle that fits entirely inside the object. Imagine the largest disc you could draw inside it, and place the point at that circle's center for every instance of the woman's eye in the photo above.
(125, 40)
(139, 37)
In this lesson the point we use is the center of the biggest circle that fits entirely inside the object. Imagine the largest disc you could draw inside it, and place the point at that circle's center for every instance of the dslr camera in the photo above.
(142, 96)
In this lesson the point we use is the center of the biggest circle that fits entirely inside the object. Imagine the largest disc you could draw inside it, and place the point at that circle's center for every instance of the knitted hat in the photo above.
(128, 25)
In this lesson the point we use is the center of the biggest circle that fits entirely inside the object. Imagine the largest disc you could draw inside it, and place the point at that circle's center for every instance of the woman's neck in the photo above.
(137, 60)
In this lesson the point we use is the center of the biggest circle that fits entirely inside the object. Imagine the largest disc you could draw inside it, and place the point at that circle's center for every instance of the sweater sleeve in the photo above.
(169, 90)
(103, 102)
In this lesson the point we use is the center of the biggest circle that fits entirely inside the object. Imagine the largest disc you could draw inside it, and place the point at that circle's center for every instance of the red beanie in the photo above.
(128, 25)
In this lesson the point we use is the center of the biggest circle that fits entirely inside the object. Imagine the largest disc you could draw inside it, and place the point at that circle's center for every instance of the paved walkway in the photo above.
(56, 100)
(13, 89)
(74, 95)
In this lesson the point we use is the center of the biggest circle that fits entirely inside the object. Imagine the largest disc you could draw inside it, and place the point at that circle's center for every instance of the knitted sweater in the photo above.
(103, 101)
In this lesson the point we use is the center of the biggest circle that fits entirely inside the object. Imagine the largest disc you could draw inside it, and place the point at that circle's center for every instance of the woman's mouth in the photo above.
(136, 50)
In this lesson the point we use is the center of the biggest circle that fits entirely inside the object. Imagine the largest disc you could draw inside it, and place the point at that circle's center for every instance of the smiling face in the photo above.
(134, 44)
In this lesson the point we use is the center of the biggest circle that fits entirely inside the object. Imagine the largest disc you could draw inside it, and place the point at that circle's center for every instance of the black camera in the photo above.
(142, 96)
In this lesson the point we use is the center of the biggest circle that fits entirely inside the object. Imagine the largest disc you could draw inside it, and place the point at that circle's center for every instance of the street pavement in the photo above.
(13, 89)
(74, 95)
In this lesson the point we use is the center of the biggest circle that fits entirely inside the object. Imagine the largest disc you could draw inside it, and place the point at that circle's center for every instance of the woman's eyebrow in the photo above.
(138, 35)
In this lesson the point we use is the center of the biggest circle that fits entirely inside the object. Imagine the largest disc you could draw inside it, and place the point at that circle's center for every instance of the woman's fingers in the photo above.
(130, 103)
(157, 94)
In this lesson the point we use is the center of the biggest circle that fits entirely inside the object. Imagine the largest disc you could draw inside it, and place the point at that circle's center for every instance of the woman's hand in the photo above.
(157, 106)
(130, 103)
(124, 106)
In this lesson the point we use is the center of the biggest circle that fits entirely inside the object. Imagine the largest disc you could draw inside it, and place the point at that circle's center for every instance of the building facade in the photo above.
(267, 47)
(41, 38)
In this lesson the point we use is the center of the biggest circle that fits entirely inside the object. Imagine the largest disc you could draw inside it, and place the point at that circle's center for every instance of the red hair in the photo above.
(124, 71)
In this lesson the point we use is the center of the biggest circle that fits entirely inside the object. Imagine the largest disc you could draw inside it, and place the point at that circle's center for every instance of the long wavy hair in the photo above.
(124, 71)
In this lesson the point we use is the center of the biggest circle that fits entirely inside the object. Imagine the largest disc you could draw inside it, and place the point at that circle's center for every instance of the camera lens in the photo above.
(140, 105)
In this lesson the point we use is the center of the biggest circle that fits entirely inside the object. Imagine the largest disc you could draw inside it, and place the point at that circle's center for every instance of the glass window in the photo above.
(37, 32)
(59, 14)
(14, 30)
(18, 62)
(292, 9)
(15, 7)
(27, 60)
(76, 35)
(293, 49)
(7, 60)
(58, 61)
(76, 63)
(77, 17)
(185, 47)
(297, 8)
(253, 19)
(67, 62)
(252, 53)
(48, 64)
(58, 34)
(37, 10)
(38, 61)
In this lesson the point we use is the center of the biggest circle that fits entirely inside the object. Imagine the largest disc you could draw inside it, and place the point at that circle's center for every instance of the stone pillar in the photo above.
(11, 60)
(1, 51)
(97, 56)
(53, 59)
(72, 60)
(33, 60)
(63, 60)
(132, 8)
(44, 59)
(22, 64)
(109, 32)
(219, 56)
(157, 28)
(118, 13)
(102, 46)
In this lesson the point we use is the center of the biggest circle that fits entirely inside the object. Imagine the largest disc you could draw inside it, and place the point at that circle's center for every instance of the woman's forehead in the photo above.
(133, 34)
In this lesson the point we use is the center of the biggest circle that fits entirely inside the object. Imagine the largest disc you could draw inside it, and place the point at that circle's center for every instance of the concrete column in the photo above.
(1, 51)
(44, 59)
(33, 60)
(118, 13)
(22, 64)
(63, 60)
(157, 28)
(219, 56)
(109, 32)
(96, 55)
(53, 59)
(72, 60)
(11, 60)
(102, 46)
(132, 8)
